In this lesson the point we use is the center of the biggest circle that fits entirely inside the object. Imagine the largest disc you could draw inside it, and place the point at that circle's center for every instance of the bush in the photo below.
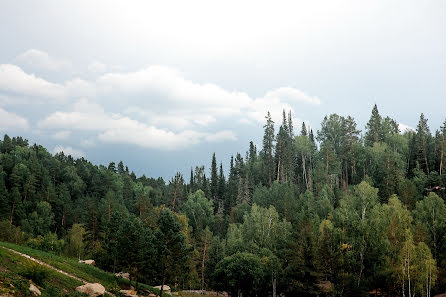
(11, 233)
(48, 243)
(34, 272)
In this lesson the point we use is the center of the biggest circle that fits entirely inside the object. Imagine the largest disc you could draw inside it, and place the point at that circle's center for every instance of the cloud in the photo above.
(10, 120)
(42, 60)
(75, 153)
(169, 84)
(88, 142)
(292, 95)
(221, 136)
(61, 135)
(14, 80)
(161, 86)
(405, 128)
(97, 67)
(116, 128)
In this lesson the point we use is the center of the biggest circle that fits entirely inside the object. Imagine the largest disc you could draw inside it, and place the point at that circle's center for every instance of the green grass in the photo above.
(89, 273)
(16, 271)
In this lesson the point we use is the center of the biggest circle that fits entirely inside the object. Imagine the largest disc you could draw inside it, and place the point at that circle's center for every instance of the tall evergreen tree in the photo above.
(268, 148)
(214, 179)
(422, 138)
(303, 131)
(374, 130)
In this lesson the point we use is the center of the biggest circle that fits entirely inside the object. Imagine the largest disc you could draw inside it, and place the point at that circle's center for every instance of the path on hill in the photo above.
(51, 267)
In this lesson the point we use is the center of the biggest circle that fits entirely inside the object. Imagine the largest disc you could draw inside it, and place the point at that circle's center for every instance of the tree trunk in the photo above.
(274, 283)
(304, 171)
(408, 271)
(174, 198)
(278, 171)
(164, 275)
(12, 212)
(203, 265)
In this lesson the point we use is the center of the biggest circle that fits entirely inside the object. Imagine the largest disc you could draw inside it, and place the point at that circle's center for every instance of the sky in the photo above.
(161, 85)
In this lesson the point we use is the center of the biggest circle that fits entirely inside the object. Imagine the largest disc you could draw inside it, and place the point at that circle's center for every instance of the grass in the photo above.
(16, 271)
(70, 265)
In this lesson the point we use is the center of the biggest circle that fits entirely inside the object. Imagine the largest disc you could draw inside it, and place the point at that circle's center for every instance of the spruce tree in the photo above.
(268, 146)
(303, 131)
(374, 130)
(214, 179)
(422, 138)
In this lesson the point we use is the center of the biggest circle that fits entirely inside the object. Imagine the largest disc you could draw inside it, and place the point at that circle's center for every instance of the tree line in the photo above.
(335, 212)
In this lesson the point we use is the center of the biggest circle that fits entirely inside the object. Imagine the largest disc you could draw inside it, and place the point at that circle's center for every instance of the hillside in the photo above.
(17, 271)
(336, 212)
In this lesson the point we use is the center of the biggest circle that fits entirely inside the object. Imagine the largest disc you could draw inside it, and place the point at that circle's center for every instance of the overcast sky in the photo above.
(161, 85)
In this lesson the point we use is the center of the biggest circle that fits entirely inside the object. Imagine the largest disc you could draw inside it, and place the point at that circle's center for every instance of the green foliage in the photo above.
(35, 272)
(240, 273)
(322, 216)
(199, 211)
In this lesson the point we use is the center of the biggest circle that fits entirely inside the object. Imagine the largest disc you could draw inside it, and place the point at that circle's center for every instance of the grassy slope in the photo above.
(89, 273)
(15, 272)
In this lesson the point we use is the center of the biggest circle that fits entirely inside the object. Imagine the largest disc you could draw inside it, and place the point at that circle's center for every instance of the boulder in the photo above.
(124, 275)
(129, 293)
(152, 295)
(34, 290)
(88, 262)
(175, 293)
(165, 288)
(92, 290)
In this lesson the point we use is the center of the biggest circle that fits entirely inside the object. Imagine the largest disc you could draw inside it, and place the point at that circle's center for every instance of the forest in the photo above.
(333, 212)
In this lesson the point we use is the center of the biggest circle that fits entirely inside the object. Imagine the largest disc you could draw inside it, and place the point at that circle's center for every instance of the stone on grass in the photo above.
(124, 275)
(165, 288)
(92, 290)
(34, 290)
(88, 262)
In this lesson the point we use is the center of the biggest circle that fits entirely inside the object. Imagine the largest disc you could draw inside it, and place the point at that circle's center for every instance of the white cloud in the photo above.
(10, 120)
(14, 80)
(221, 136)
(97, 67)
(40, 59)
(61, 135)
(80, 88)
(117, 128)
(292, 95)
(88, 142)
(405, 128)
(161, 86)
(75, 153)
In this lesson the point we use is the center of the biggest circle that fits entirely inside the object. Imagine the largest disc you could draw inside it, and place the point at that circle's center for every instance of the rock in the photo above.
(129, 293)
(124, 275)
(92, 290)
(88, 262)
(165, 288)
(152, 295)
(175, 293)
(34, 290)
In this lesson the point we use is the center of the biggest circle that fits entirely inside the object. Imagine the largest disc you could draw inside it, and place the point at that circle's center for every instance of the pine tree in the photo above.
(214, 179)
(191, 182)
(268, 146)
(374, 130)
(221, 185)
(303, 131)
(121, 168)
(422, 138)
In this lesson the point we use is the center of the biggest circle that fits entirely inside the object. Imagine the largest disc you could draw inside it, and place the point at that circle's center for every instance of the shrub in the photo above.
(34, 272)
(11, 233)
